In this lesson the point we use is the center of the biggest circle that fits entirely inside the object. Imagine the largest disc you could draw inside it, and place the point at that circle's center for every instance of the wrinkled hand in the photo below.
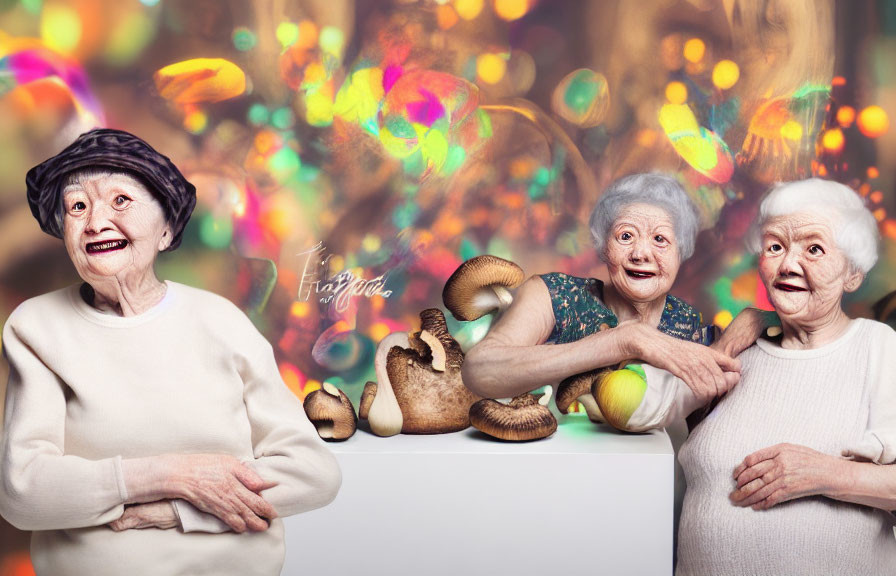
(783, 472)
(744, 330)
(225, 487)
(708, 373)
(152, 515)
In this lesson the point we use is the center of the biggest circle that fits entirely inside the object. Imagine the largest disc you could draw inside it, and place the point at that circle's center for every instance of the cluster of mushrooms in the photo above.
(419, 388)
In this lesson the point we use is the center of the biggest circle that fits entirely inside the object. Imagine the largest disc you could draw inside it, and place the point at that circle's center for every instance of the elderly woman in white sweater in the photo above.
(147, 428)
(789, 473)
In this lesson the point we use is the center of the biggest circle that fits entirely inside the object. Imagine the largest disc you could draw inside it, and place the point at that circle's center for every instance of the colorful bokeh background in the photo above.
(403, 137)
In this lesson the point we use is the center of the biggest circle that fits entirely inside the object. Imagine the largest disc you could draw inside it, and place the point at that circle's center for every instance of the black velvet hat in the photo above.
(113, 149)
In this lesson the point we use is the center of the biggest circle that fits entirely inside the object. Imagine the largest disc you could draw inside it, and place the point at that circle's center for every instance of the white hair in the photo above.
(652, 188)
(854, 227)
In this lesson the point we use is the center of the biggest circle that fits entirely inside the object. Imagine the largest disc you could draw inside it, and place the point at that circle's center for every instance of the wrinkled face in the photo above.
(803, 270)
(642, 253)
(113, 226)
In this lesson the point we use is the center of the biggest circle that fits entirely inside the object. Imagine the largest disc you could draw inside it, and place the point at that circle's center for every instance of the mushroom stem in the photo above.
(546, 397)
(436, 350)
(384, 415)
(591, 408)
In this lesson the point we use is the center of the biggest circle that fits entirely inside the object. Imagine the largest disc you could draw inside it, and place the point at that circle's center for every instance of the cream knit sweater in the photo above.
(191, 375)
(840, 398)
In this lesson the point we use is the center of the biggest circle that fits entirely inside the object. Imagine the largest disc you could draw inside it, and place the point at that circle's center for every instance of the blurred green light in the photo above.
(215, 232)
(283, 118)
(32, 6)
(332, 40)
(285, 163)
(258, 114)
(287, 34)
(243, 39)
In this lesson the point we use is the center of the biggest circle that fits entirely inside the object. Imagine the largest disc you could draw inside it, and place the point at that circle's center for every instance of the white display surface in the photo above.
(588, 500)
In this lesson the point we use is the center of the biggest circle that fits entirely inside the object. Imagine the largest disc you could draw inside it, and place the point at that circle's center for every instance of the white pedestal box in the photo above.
(588, 500)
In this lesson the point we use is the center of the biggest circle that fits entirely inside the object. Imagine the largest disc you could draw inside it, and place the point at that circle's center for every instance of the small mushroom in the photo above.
(331, 412)
(526, 417)
(384, 414)
(578, 387)
(481, 285)
(367, 397)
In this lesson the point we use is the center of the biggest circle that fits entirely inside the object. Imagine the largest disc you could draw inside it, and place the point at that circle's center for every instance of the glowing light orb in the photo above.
(300, 309)
(722, 319)
(792, 130)
(149, 2)
(332, 40)
(702, 149)
(694, 49)
(725, 74)
(873, 121)
(287, 34)
(196, 122)
(258, 114)
(468, 9)
(880, 214)
(873, 172)
(511, 9)
(833, 140)
(215, 232)
(676, 92)
(243, 39)
(200, 80)
(876, 197)
(283, 118)
(846, 115)
(128, 39)
(838, 81)
(582, 98)
(60, 27)
(446, 17)
(490, 68)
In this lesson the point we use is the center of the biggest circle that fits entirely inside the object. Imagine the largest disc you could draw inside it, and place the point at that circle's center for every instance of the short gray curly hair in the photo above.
(661, 190)
(855, 229)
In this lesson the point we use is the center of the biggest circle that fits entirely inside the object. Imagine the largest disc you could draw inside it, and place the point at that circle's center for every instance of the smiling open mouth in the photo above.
(108, 246)
(638, 274)
(789, 287)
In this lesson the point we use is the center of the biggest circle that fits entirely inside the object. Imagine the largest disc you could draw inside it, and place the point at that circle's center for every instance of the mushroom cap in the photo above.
(331, 412)
(573, 387)
(366, 400)
(524, 418)
(473, 278)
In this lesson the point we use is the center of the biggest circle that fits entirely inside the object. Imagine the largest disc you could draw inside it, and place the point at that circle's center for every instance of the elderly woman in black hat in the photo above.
(142, 405)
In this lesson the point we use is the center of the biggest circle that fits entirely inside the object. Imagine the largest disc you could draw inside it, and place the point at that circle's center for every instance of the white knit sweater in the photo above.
(191, 375)
(840, 398)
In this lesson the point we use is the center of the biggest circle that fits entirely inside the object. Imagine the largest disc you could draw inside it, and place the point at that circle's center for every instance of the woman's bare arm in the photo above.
(513, 358)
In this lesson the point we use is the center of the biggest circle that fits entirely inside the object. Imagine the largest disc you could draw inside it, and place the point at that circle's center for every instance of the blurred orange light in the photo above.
(511, 9)
(889, 229)
(468, 9)
(300, 309)
(725, 74)
(873, 121)
(694, 49)
(846, 115)
(880, 214)
(877, 196)
(838, 81)
(446, 17)
(490, 68)
(873, 172)
(676, 93)
(833, 140)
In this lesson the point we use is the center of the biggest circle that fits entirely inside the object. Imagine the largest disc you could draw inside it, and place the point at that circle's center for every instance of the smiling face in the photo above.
(642, 253)
(113, 227)
(803, 270)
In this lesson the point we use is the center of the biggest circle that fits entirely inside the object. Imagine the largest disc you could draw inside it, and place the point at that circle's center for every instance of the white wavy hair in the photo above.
(854, 227)
(652, 188)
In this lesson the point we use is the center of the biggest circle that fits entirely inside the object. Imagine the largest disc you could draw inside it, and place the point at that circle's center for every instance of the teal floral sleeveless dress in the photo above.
(579, 311)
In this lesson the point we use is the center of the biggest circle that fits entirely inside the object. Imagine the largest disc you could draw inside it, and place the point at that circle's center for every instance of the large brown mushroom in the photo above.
(526, 417)
(331, 412)
(481, 285)
(428, 386)
(419, 388)
(579, 387)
